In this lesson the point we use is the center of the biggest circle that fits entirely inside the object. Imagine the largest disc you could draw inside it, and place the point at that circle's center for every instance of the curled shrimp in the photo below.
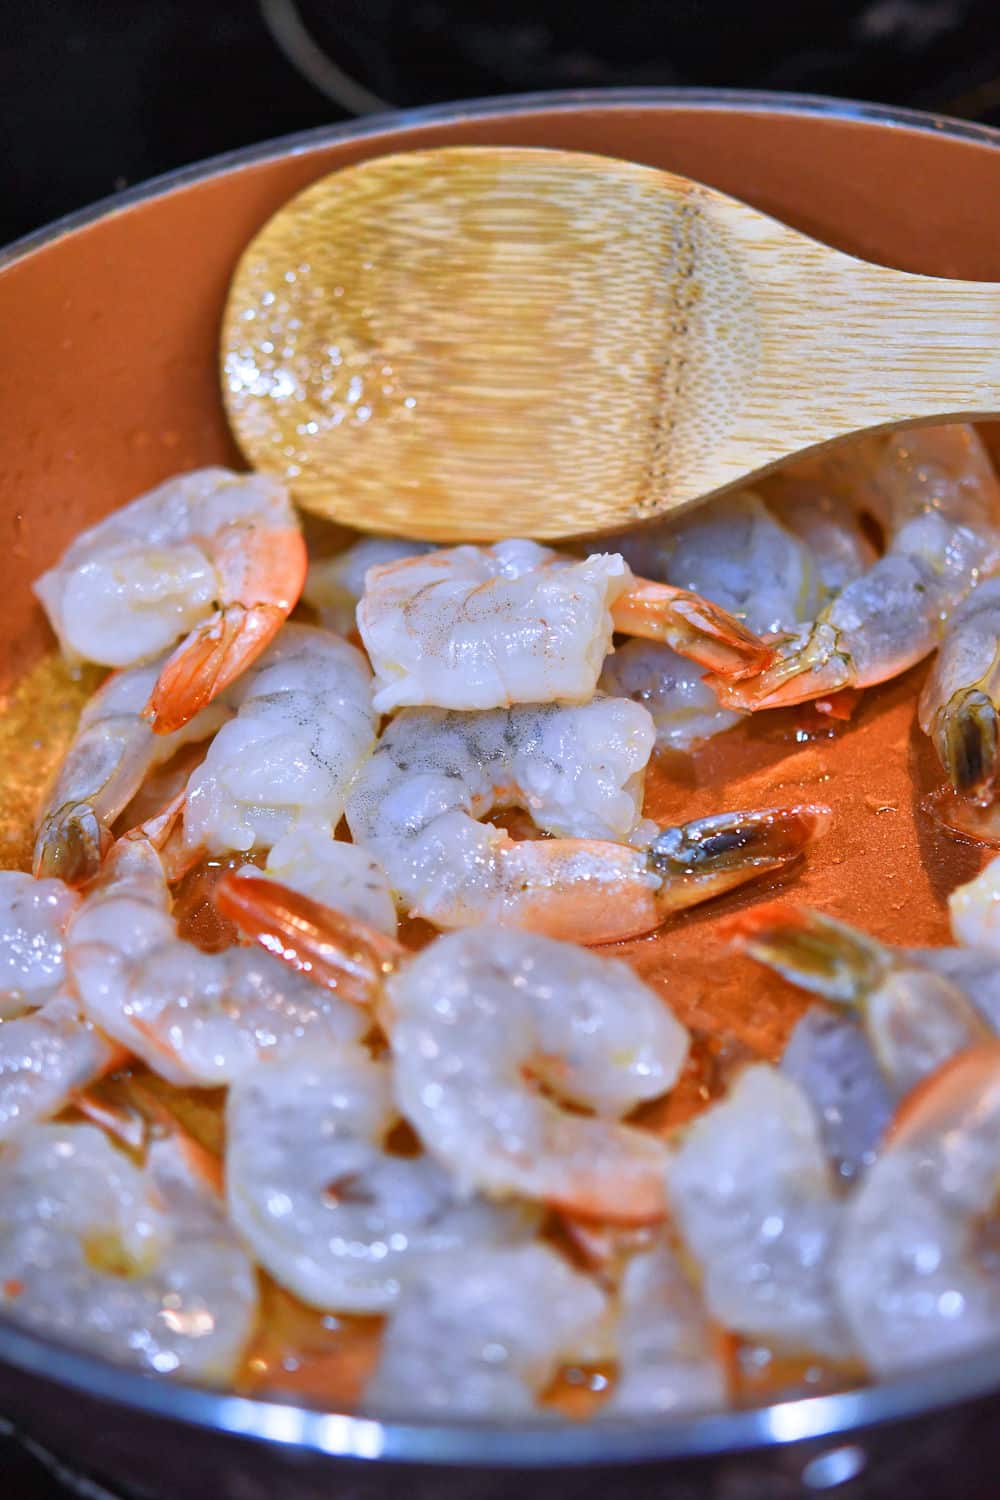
(196, 1018)
(753, 1196)
(213, 556)
(309, 860)
(667, 1349)
(137, 1264)
(114, 749)
(486, 1333)
(936, 494)
(476, 1015)
(486, 627)
(334, 585)
(319, 1198)
(417, 802)
(913, 1269)
(915, 1016)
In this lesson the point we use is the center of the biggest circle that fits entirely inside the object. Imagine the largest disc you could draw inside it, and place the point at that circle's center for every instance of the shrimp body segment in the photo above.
(486, 627)
(913, 1269)
(936, 494)
(114, 749)
(303, 726)
(311, 862)
(34, 916)
(666, 1347)
(45, 1058)
(196, 1018)
(960, 702)
(477, 1013)
(753, 1195)
(486, 1334)
(334, 585)
(319, 1199)
(211, 555)
(137, 1264)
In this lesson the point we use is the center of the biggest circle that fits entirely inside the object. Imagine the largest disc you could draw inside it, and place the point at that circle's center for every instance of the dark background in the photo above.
(98, 94)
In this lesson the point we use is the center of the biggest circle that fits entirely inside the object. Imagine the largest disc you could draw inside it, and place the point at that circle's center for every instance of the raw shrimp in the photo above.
(486, 627)
(915, 1016)
(684, 709)
(211, 555)
(137, 1264)
(830, 1058)
(486, 1334)
(303, 725)
(578, 770)
(34, 915)
(312, 862)
(667, 1350)
(936, 494)
(195, 1018)
(960, 703)
(733, 551)
(828, 524)
(974, 911)
(45, 1058)
(916, 1277)
(113, 751)
(753, 1197)
(321, 1202)
(334, 585)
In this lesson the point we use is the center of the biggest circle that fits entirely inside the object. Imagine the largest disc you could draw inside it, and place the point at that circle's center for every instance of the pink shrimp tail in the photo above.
(223, 646)
(693, 626)
(340, 952)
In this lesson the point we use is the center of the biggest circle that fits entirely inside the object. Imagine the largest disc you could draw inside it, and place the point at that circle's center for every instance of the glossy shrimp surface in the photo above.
(915, 1271)
(303, 725)
(138, 1264)
(417, 804)
(334, 585)
(960, 702)
(114, 750)
(34, 916)
(754, 1198)
(478, 1013)
(196, 1018)
(938, 500)
(486, 627)
(317, 1195)
(212, 556)
(486, 1334)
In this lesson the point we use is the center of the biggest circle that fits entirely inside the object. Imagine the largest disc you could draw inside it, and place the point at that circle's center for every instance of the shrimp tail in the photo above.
(800, 670)
(704, 858)
(967, 742)
(71, 844)
(693, 626)
(261, 580)
(342, 953)
(814, 952)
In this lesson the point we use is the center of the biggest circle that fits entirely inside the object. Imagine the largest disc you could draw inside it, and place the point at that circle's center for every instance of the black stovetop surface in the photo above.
(98, 94)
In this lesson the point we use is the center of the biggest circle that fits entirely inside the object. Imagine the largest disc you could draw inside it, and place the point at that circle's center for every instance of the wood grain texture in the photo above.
(481, 342)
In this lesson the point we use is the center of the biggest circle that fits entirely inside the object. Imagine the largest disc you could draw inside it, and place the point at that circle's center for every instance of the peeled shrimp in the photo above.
(213, 556)
(334, 585)
(303, 725)
(684, 709)
(753, 1197)
(974, 910)
(486, 627)
(113, 751)
(578, 770)
(960, 702)
(913, 1270)
(485, 1334)
(34, 915)
(47, 1057)
(137, 1264)
(830, 1058)
(667, 1350)
(195, 1018)
(321, 1202)
(936, 494)
(915, 1016)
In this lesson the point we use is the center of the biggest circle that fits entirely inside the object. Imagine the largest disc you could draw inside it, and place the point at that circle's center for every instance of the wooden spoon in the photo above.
(479, 342)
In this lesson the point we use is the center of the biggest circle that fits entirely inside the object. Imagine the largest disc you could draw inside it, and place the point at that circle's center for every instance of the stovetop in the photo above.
(100, 95)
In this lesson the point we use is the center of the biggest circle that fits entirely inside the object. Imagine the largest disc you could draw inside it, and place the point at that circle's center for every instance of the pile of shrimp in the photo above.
(423, 802)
